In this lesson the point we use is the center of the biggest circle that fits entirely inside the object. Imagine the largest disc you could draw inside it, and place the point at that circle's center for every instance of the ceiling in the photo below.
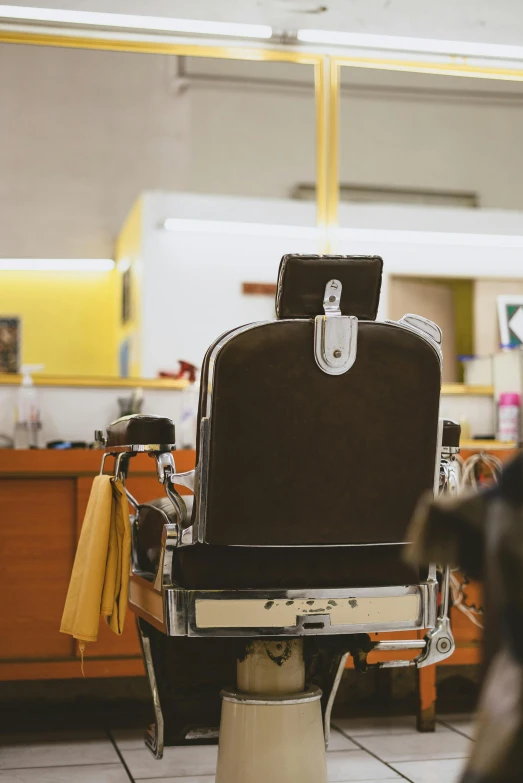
(479, 21)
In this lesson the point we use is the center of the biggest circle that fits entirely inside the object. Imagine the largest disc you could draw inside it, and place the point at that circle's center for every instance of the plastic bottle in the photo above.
(189, 414)
(27, 412)
(465, 428)
(508, 416)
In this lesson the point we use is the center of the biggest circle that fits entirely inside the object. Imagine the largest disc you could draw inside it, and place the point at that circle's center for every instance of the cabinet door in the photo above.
(37, 539)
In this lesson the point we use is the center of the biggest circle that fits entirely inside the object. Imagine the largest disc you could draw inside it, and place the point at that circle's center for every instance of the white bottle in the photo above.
(189, 415)
(27, 412)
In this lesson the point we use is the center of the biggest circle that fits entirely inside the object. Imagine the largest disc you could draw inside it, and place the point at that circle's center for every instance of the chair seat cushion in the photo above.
(208, 567)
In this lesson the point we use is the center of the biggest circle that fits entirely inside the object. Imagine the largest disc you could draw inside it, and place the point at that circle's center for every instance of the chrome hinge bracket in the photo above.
(335, 335)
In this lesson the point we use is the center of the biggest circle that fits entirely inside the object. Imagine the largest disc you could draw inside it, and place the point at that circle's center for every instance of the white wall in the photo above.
(82, 134)
(74, 413)
(192, 281)
(433, 132)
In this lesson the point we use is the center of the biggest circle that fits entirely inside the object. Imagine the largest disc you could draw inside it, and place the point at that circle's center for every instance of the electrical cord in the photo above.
(489, 469)
(491, 465)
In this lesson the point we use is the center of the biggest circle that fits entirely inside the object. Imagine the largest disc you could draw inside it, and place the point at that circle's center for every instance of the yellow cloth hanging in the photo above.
(100, 579)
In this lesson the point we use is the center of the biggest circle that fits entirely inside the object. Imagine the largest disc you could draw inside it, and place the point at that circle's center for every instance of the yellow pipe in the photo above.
(158, 47)
(442, 69)
(322, 148)
(333, 192)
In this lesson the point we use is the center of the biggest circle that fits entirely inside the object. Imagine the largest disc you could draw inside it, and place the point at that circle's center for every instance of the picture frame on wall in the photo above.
(10, 340)
(510, 315)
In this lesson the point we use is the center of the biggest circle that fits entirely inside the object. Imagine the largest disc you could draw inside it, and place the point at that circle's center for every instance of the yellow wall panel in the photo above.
(69, 319)
(129, 256)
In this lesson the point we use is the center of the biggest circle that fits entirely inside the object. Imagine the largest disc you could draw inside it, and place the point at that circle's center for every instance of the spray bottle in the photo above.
(28, 422)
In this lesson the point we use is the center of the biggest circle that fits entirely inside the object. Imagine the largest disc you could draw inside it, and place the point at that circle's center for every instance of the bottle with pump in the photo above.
(28, 422)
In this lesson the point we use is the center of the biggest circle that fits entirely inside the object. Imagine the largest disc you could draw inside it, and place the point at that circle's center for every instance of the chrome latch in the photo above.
(335, 335)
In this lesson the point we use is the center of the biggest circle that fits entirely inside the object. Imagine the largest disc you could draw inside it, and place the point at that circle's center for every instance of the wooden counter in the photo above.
(43, 497)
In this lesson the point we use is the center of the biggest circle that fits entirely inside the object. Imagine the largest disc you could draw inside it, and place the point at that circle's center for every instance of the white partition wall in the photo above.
(194, 265)
(193, 274)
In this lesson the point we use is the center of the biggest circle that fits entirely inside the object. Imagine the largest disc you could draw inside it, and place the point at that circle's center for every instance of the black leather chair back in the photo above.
(294, 456)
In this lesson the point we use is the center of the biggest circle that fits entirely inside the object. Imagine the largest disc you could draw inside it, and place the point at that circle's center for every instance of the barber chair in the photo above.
(317, 434)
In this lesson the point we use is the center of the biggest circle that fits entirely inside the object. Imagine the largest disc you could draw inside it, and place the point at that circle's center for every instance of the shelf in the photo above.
(487, 445)
(104, 382)
(463, 389)
(94, 382)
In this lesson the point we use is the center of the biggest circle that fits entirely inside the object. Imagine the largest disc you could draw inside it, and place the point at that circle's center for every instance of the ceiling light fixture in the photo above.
(134, 21)
(56, 264)
(401, 44)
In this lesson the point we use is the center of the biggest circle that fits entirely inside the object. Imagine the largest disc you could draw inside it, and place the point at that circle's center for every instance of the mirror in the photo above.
(99, 150)
(428, 180)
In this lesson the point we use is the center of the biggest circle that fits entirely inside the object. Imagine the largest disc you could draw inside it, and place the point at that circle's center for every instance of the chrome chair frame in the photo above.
(176, 611)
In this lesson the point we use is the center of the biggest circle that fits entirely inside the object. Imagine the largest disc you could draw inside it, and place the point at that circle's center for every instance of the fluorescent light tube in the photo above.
(442, 238)
(230, 228)
(134, 21)
(56, 264)
(401, 44)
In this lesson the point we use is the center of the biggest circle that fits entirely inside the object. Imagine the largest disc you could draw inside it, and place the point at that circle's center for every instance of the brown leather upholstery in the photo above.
(302, 280)
(204, 567)
(141, 430)
(451, 434)
(301, 457)
(150, 523)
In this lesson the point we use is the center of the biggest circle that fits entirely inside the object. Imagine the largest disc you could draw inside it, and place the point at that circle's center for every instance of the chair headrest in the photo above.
(302, 280)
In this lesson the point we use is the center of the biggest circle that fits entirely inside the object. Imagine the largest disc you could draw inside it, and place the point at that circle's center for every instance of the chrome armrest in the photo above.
(168, 476)
(170, 540)
(439, 640)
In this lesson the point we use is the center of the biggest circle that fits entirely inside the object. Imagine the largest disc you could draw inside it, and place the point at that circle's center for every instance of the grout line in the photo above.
(397, 772)
(210, 778)
(65, 766)
(456, 731)
(439, 758)
(120, 756)
(413, 732)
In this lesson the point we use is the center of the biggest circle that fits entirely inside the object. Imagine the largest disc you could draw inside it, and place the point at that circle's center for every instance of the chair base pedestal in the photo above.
(272, 734)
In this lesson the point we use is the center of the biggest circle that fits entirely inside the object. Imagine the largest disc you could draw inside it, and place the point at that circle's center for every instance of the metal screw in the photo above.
(337, 354)
(443, 645)
(332, 298)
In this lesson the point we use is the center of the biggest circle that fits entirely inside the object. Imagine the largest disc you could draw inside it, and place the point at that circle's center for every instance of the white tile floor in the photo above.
(374, 750)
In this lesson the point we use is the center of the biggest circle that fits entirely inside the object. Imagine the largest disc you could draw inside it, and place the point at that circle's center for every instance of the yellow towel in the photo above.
(100, 579)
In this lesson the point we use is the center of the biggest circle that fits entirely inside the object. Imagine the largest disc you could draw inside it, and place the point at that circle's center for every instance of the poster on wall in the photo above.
(510, 314)
(10, 338)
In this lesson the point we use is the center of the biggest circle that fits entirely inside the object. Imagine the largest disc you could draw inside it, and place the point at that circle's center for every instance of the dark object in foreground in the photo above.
(483, 534)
